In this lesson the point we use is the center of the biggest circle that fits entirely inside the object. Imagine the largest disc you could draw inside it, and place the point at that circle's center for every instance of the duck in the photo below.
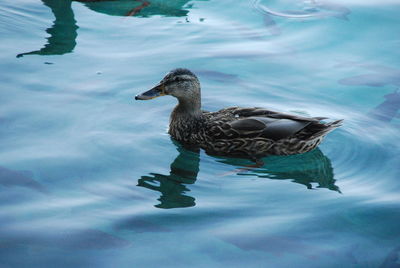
(252, 133)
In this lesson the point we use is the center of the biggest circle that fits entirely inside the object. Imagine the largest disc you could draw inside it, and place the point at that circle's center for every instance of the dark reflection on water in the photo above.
(140, 225)
(172, 187)
(392, 260)
(305, 169)
(306, 245)
(66, 238)
(378, 76)
(63, 32)
(140, 8)
(12, 178)
(388, 109)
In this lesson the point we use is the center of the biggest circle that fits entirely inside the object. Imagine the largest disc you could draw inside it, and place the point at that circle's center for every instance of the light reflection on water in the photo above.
(84, 170)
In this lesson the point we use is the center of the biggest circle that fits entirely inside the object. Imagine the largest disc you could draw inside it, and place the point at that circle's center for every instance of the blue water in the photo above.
(90, 178)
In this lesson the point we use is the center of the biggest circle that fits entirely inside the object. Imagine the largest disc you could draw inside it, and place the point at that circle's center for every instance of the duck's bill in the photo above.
(155, 92)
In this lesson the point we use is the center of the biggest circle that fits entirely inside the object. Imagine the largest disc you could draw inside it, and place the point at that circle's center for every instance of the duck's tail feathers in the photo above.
(328, 127)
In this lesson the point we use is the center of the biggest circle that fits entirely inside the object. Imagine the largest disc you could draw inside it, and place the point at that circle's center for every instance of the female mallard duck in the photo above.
(239, 132)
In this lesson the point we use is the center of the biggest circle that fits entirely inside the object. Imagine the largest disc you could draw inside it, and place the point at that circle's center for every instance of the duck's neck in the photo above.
(185, 119)
(187, 109)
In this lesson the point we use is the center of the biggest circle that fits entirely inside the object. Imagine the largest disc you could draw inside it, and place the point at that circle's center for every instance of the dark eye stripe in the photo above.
(179, 79)
(176, 79)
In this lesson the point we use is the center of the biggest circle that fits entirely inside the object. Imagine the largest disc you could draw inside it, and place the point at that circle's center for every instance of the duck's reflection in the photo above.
(172, 187)
(63, 32)
(312, 169)
(307, 169)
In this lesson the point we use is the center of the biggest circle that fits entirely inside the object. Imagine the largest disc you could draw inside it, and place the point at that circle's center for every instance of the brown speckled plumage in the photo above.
(235, 131)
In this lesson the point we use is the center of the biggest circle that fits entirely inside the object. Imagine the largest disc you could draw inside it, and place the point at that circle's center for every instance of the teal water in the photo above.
(90, 178)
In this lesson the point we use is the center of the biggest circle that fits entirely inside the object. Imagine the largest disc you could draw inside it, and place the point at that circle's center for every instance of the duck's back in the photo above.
(257, 132)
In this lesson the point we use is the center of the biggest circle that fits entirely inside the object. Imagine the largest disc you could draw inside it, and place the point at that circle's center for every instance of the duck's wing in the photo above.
(261, 112)
(257, 122)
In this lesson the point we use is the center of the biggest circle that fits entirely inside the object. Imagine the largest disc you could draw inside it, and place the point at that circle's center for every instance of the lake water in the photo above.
(90, 178)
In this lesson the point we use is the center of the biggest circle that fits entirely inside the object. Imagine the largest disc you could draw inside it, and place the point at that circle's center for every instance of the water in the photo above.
(90, 178)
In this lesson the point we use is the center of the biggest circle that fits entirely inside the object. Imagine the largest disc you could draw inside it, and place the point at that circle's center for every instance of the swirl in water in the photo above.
(318, 9)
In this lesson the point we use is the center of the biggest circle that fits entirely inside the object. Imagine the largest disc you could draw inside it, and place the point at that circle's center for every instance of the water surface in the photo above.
(90, 178)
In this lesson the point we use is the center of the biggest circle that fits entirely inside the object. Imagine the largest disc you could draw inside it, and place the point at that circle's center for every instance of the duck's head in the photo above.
(180, 83)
